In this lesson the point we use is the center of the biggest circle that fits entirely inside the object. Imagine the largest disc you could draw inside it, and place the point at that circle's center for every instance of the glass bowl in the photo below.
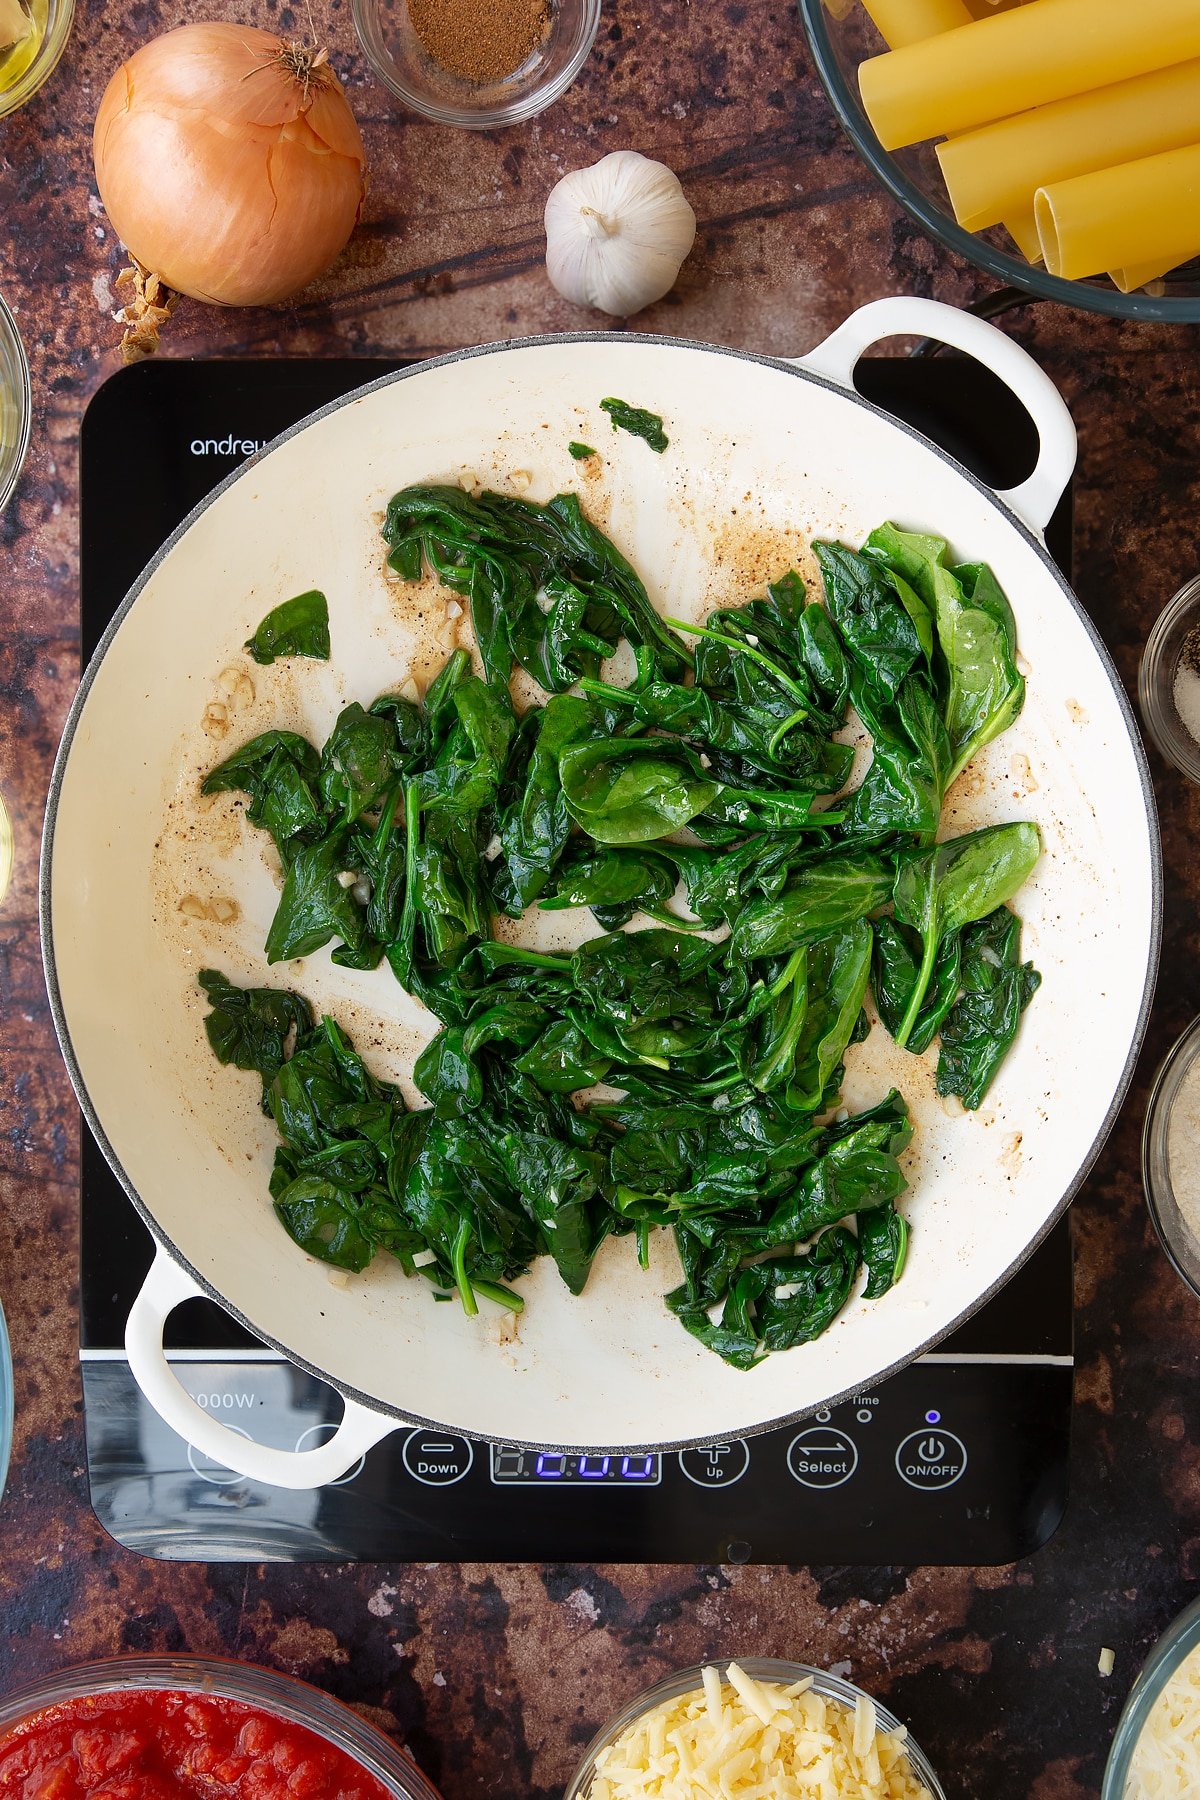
(53, 19)
(16, 404)
(386, 32)
(762, 1668)
(1179, 1239)
(1176, 1642)
(913, 177)
(281, 1695)
(6, 1401)
(1160, 666)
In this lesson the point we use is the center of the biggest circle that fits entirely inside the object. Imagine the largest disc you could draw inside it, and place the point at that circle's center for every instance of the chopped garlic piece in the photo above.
(1107, 1662)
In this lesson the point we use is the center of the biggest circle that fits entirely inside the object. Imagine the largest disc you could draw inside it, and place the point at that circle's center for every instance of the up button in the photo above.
(931, 1459)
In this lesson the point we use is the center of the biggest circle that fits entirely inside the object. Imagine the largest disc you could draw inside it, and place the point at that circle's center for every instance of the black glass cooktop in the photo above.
(961, 1458)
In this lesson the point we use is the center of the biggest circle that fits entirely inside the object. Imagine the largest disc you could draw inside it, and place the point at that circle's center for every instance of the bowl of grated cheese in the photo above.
(1155, 1751)
(759, 1729)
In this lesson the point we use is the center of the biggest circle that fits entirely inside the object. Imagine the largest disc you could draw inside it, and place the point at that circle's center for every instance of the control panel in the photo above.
(948, 1462)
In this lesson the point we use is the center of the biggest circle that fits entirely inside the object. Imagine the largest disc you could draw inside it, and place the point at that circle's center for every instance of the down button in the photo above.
(436, 1458)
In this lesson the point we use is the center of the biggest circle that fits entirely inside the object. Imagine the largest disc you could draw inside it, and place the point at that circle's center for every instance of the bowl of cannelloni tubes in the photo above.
(1055, 143)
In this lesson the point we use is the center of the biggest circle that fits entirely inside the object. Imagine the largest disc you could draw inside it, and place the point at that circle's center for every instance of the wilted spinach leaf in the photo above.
(940, 890)
(996, 988)
(984, 691)
(298, 627)
(249, 1027)
(637, 422)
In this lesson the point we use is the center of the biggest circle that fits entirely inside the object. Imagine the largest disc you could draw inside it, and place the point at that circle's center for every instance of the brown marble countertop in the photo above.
(494, 1675)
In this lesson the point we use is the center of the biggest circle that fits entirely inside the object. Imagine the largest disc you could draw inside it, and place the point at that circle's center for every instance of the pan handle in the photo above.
(166, 1287)
(905, 315)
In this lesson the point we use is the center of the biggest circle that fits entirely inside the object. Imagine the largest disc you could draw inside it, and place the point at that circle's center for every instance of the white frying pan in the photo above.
(143, 884)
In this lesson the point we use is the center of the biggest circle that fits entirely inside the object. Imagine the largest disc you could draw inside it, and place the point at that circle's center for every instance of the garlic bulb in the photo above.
(617, 233)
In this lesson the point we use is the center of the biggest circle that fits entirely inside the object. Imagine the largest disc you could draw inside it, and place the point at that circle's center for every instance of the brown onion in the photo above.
(229, 162)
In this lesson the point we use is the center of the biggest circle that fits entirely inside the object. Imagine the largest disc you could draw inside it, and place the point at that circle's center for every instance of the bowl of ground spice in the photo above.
(477, 63)
(1171, 1155)
(1169, 681)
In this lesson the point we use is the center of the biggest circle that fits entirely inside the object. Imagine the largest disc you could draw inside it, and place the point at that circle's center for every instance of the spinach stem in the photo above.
(387, 818)
(643, 1243)
(744, 649)
(493, 1290)
(408, 915)
(789, 972)
(902, 1251)
(458, 1262)
(606, 690)
(920, 986)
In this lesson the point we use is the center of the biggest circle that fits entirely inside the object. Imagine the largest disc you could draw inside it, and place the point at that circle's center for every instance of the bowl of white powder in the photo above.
(1171, 1155)
(1155, 1753)
(1169, 681)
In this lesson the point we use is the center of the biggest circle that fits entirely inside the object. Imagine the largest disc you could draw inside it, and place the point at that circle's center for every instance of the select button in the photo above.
(930, 1460)
(822, 1457)
(435, 1458)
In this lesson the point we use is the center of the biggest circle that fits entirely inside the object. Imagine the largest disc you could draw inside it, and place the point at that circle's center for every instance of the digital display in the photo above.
(560, 1468)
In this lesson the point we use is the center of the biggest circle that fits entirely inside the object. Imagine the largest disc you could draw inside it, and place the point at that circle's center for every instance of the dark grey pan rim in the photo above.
(384, 1408)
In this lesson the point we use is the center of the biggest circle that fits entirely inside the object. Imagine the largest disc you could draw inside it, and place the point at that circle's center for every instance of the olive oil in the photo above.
(22, 33)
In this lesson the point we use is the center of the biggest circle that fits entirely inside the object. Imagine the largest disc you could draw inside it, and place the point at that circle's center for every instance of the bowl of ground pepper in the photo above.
(477, 63)
(1169, 680)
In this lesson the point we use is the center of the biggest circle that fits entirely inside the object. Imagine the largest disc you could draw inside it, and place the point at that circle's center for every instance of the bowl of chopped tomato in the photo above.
(184, 1728)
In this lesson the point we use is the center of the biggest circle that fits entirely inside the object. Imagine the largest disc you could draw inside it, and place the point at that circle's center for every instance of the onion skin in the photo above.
(233, 179)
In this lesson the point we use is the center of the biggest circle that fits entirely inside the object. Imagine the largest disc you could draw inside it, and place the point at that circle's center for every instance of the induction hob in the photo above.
(961, 1458)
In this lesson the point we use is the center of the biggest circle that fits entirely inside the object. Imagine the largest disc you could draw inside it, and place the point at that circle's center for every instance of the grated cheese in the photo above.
(1166, 1758)
(756, 1740)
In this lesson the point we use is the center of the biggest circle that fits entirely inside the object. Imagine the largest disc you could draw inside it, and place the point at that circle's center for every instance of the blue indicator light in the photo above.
(631, 1472)
(594, 1474)
(933, 1418)
(546, 1470)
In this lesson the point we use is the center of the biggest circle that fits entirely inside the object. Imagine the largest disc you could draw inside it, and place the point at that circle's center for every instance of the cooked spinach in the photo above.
(546, 588)
(982, 689)
(707, 794)
(940, 890)
(249, 1027)
(580, 452)
(996, 988)
(637, 422)
(298, 627)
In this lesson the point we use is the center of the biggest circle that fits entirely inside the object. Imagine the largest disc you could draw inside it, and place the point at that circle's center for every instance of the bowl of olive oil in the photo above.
(33, 35)
(15, 409)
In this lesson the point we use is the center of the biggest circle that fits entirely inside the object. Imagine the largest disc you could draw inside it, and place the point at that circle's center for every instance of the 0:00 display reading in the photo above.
(545, 1468)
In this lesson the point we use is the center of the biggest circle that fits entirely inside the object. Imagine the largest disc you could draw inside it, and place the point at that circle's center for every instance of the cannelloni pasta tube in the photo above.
(992, 172)
(1027, 57)
(1143, 212)
(901, 22)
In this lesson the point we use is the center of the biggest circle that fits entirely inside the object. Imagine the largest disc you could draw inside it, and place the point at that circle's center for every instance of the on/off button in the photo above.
(930, 1460)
